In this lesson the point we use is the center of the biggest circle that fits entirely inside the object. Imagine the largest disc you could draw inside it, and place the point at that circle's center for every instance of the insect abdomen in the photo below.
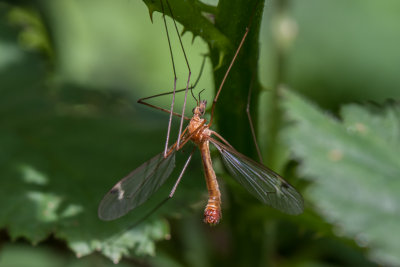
(212, 213)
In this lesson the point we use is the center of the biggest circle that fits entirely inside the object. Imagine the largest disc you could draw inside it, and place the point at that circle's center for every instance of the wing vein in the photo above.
(263, 183)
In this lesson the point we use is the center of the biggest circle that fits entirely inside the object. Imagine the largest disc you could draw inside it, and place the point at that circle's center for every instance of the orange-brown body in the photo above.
(199, 133)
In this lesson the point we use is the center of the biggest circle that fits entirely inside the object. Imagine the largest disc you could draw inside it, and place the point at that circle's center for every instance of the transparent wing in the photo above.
(134, 189)
(263, 183)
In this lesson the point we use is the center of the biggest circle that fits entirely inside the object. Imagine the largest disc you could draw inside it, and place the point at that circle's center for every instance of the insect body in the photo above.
(143, 182)
(200, 135)
(263, 183)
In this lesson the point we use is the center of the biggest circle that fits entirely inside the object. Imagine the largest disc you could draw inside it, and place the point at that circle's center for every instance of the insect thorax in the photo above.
(198, 129)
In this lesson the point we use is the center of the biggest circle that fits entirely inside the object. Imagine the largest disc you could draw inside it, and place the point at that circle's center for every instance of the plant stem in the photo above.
(232, 19)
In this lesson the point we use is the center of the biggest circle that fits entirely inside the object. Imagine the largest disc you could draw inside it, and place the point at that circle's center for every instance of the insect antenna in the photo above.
(200, 94)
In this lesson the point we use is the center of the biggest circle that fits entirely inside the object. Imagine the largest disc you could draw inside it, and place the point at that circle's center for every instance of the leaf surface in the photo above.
(354, 168)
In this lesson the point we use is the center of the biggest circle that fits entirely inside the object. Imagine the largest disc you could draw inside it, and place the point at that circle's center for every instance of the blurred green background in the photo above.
(71, 73)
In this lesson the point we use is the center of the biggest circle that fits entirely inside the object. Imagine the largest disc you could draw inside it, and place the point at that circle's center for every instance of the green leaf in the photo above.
(62, 148)
(22, 254)
(354, 169)
(190, 15)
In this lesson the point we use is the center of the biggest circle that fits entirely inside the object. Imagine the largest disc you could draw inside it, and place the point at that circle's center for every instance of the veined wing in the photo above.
(137, 187)
(263, 183)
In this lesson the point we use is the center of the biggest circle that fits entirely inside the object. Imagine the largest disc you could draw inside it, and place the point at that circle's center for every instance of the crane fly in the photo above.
(263, 183)
(138, 186)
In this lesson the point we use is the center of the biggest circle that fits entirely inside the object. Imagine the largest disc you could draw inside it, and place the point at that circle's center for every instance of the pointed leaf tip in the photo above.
(151, 11)
(151, 7)
(184, 30)
(221, 59)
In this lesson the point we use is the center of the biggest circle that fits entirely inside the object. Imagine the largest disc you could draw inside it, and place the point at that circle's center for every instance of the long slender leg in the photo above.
(187, 138)
(171, 194)
(226, 75)
(190, 73)
(251, 121)
(183, 111)
(221, 138)
(143, 102)
(175, 78)
(174, 146)
(230, 66)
